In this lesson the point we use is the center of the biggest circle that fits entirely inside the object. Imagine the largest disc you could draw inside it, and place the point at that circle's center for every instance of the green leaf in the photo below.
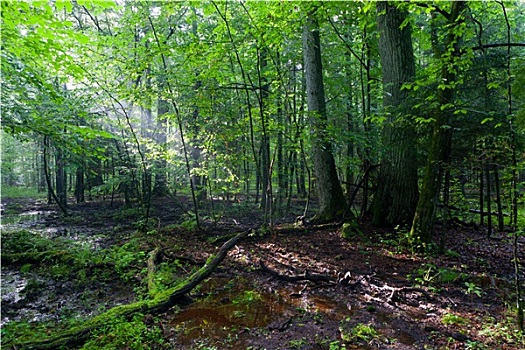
(82, 38)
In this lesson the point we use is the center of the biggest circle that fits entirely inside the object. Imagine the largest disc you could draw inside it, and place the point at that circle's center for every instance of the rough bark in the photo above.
(331, 198)
(397, 193)
(162, 302)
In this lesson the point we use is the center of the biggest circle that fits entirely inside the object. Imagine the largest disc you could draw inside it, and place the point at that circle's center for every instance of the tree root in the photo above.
(161, 302)
(346, 279)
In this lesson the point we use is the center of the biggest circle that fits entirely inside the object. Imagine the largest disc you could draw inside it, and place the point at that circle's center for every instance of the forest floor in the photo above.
(288, 288)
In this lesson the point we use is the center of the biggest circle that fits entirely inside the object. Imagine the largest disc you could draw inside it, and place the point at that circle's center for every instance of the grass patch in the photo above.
(21, 192)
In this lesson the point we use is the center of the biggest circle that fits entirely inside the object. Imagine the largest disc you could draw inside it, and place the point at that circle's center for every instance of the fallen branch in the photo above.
(394, 291)
(162, 301)
(306, 276)
(153, 259)
(305, 227)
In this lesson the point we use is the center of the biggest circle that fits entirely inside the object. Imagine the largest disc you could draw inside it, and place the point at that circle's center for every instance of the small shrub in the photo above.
(358, 333)
(124, 256)
(247, 298)
(350, 230)
(472, 288)
(452, 319)
(364, 332)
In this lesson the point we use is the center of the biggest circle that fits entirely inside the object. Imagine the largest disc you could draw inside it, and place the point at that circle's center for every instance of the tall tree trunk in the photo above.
(60, 177)
(331, 198)
(498, 199)
(160, 187)
(50, 191)
(439, 154)
(481, 197)
(79, 184)
(41, 172)
(489, 202)
(397, 193)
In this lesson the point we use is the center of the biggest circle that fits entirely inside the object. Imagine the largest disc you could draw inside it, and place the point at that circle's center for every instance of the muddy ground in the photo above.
(286, 288)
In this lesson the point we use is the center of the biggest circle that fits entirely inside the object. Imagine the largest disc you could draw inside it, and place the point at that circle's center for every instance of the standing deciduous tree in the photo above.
(439, 152)
(331, 198)
(397, 191)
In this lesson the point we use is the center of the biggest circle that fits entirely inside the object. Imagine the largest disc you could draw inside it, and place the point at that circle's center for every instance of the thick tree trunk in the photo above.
(397, 193)
(331, 198)
(439, 154)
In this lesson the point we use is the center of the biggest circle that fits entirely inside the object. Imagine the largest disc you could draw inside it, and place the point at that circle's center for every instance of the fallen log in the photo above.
(154, 257)
(162, 301)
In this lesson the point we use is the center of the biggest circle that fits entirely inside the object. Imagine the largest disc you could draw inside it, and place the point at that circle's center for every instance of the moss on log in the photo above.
(162, 301)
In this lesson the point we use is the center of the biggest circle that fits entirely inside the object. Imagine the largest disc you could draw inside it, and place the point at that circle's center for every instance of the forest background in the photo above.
(402, 114)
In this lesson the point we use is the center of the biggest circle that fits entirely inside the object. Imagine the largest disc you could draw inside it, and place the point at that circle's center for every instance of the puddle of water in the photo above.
(28, 217)
(12, 285)
(54, 298)
(234, 305)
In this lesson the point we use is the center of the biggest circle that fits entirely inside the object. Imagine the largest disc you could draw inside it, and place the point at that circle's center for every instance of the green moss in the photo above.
(350, 230)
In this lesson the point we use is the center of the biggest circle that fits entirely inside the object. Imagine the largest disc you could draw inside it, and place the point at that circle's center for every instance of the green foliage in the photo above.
(336, 345)
(503, 330)
(22, 241)
(119, 333)
(127, 258)
(298, 343)
(350, 230)
(453, 319)
(166, 276)
(472, 288)
(433, 276)
(248, 297)
(359, 333)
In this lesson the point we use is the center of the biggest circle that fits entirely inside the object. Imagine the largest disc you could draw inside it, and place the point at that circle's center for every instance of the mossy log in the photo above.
(154, 257)
(162, 301)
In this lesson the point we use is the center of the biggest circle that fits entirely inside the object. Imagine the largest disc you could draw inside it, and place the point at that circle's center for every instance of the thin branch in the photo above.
(94, 19)
(435, 9)
(481, 47)
(346, 43)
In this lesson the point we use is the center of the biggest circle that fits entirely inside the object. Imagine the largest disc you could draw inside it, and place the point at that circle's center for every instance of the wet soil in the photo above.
(455, 300)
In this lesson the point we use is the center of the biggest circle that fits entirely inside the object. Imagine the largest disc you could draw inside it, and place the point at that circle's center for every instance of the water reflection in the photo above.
(27, 218)
(236, 304)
